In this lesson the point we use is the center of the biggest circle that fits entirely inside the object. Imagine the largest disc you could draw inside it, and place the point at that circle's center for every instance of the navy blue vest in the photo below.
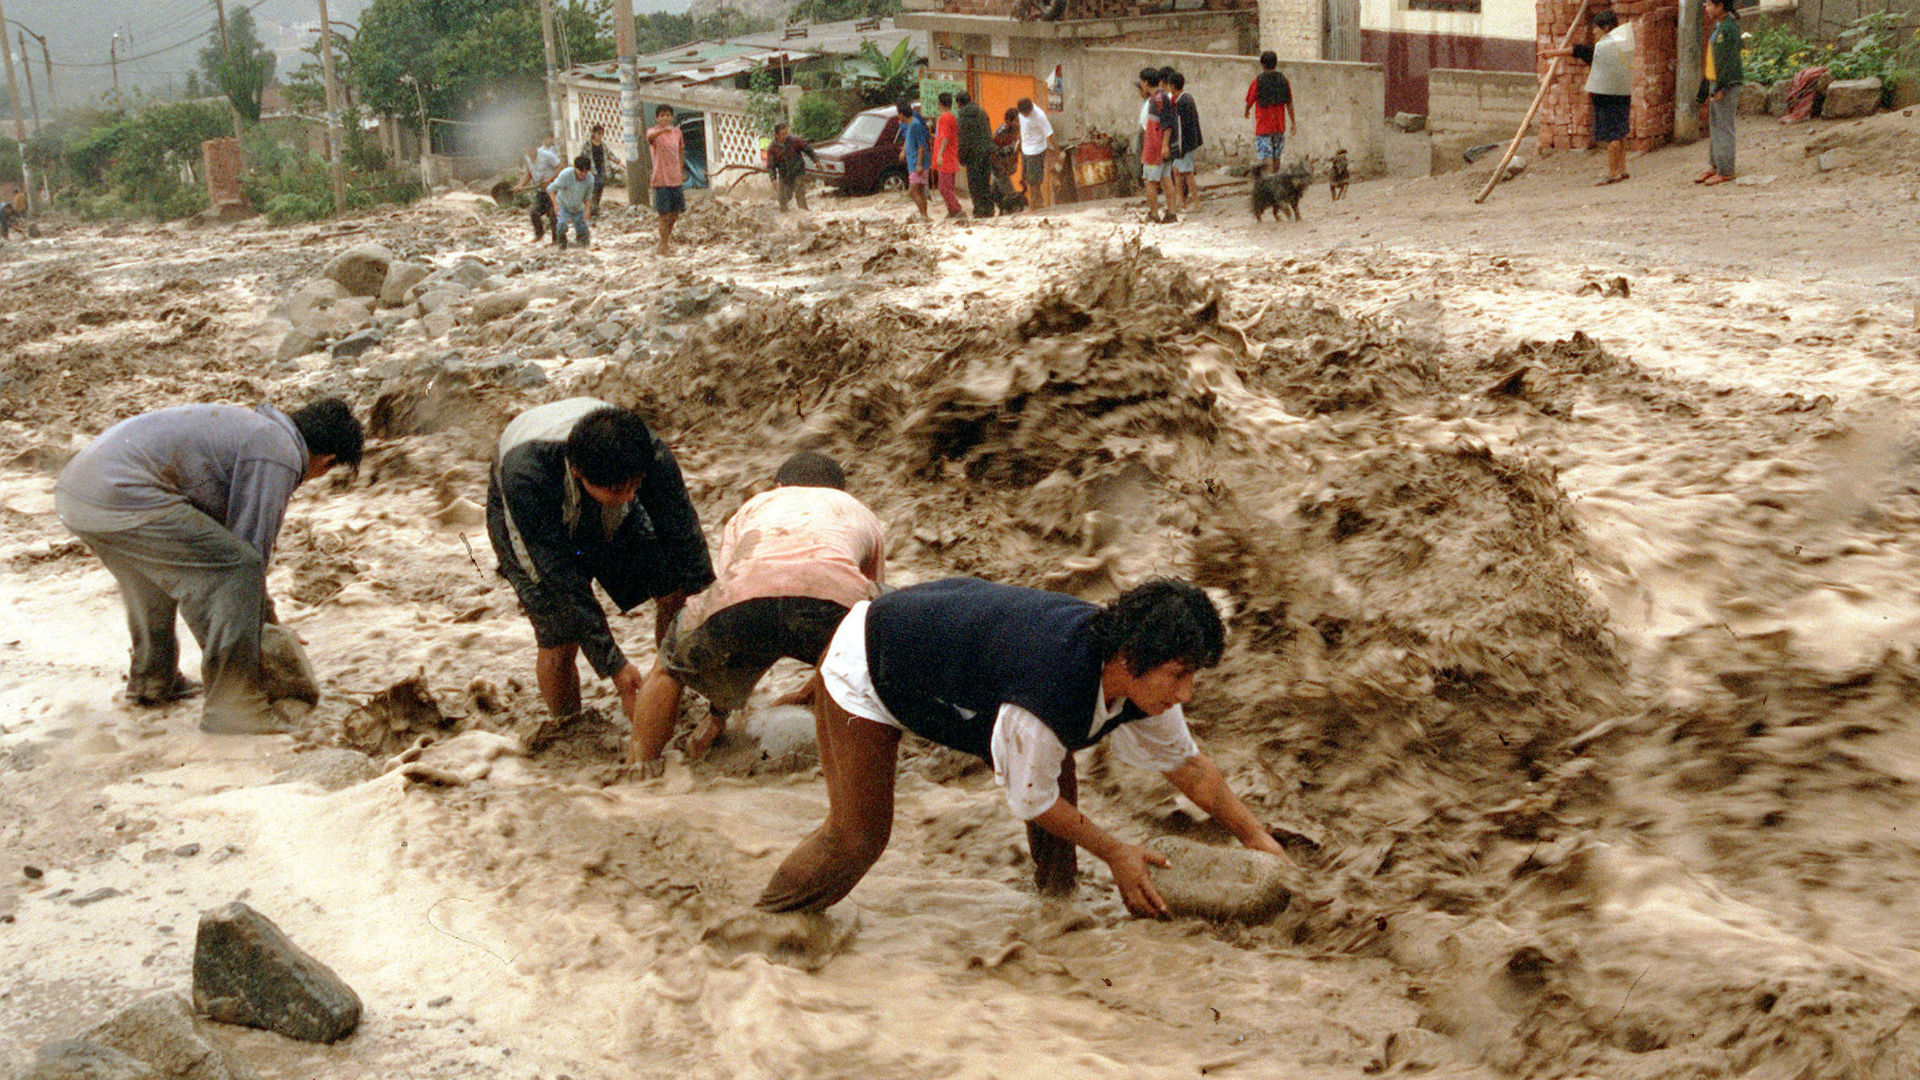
(945, 655)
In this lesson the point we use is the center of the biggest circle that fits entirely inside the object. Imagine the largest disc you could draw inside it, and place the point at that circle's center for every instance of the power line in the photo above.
(195, 39)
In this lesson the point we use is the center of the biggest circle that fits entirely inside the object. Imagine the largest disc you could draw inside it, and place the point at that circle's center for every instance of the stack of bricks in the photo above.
(1566, 116)
(221, 161)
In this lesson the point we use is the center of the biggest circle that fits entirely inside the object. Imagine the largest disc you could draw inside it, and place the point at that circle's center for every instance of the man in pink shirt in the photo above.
(792, 561)
(946, 154)
(666, 143)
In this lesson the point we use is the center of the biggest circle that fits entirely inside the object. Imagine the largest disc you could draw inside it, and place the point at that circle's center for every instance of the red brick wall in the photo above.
(1566, 116)
(221, 159)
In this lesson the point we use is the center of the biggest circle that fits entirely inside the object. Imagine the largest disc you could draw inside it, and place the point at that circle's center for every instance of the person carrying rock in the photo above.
(572, 193)
(1021, 678)
(581, 492)
(183, 505)
(787, 159)
(792, 561)
(542, 169)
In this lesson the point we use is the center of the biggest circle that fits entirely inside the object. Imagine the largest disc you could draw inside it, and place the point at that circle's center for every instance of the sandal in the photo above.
(1718, 179)
(1605, 180)
(1705, 176)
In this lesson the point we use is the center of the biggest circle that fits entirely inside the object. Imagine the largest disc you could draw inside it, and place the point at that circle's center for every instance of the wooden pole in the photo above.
(336, 143)
(637, 166)
(19, 118)
(555, 123)
(1553, 71)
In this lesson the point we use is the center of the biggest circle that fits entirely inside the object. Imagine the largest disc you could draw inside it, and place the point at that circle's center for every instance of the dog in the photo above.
(1281, 191)
(1337, 175)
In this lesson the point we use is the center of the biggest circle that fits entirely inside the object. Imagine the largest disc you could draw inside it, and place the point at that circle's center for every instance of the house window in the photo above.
(1468, 7)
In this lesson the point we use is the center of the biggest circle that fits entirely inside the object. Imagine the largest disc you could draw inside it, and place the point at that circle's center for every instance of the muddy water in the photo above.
(1575, 668)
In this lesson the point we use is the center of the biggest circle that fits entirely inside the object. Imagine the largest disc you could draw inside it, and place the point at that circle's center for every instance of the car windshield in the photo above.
(865, 130)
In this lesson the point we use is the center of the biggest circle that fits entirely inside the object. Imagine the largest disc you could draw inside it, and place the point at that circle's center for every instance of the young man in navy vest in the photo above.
(1022, 678)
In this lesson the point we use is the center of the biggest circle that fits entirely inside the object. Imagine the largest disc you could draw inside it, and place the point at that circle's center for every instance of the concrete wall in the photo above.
(1339, 105)
(1463, 102)
(1291, 28)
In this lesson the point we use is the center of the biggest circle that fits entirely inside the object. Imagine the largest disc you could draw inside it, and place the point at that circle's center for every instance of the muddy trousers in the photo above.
(792, 189)
(857, 758)
(542, 216)
(980, 186)
(180, 561)
(1720, 116)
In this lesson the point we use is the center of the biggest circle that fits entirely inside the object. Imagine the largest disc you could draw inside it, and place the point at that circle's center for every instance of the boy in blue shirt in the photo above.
(572, 193)
(917, 152)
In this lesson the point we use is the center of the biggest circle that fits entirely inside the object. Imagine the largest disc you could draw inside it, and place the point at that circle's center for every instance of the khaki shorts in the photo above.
(723, 658)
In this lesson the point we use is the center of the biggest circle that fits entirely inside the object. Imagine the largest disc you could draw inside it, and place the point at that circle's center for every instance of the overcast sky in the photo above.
(161, 39)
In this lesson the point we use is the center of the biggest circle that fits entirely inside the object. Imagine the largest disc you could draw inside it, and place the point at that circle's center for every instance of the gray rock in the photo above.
(245, 971)
(74, 1059)
(441, 297)
(1826, 161)
(469, 273)
(358, 342)
(549, 290)
(401, 278)
(285, 671)
(329, 768)
(608, 332)
(498, 305)
(1752, 100)
(361, 270)
(437, 324)
(1777, 97)
(1409, 121)
(299, 342)
(1848, 98)
(1219, 882)
(313, 298)
(162, 1032)
(97, 895)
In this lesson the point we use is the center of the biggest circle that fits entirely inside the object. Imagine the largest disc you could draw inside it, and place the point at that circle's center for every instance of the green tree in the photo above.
(894, 74)
(819, 11)
(243, 69)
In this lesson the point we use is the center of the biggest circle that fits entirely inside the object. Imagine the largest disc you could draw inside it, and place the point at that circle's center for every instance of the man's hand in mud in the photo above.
(1267, 842)
(635, 771)
(704, 735)
(1129, 865)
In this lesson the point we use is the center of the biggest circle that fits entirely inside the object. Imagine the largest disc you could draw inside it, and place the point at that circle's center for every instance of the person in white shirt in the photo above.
(1609, 88)
(542, 168)
(1036, 136)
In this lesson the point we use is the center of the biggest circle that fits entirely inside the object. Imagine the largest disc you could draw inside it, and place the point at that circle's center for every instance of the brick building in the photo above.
(1566, 116)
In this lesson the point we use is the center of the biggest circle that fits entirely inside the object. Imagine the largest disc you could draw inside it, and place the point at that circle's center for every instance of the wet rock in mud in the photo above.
(441, 297)
(467, 758)
(357, 343)
(1414, 1050)
(468, 274)
(805, 940)
(285, 671)
(299, 342)
(437, 324)
(360, 270)
(329, 768)
(76, 1059)
(395, 718)
(161, 1031)
(310, 301)
(759, 742)
(588, 736)
(498, 305)
(247, 972)
(1221, 883)
(421, 406)
(400, 279)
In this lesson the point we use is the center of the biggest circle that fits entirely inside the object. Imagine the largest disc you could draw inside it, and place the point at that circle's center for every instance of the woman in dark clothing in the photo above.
(1609, 87)
(1720, 89)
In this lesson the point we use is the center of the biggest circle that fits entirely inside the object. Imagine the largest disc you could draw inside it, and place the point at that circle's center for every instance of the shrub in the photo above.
(817, 117)
(289, 207)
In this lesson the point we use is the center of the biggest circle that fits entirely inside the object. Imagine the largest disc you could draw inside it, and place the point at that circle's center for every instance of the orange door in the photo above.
(999, 92)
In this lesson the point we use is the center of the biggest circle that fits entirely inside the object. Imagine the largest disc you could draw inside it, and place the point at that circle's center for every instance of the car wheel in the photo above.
(893, 182)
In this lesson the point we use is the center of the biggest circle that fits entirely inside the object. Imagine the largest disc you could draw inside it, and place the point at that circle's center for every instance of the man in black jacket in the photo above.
(583, 492)
(1022, 678)
(976, 152)
(787, 160)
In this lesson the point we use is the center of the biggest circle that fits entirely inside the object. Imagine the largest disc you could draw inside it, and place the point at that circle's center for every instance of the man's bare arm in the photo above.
(1199, 779)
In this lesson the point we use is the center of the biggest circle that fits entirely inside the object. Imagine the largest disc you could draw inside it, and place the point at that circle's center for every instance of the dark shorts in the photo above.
(1033, 169)
(669, 200)
(1610, 115)
(722, 658)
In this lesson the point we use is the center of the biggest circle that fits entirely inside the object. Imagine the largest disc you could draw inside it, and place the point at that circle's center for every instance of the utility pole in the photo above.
(46, 193)
(226, 51)
(113, 58)
(335, 144)
(19, 120)
(555, 111)
(1686, 73)
(629, 101)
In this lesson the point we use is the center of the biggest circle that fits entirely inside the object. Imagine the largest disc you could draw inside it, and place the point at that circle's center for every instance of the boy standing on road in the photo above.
(792, 561)
(183, 505)
(946, 155)
(572, 193)
(1036, 137)
(667, 146)
(1022, 678)
(1187, 134)
(787, 160)
(1156, 145)
(916, 149)
(1270, 103)
(597, 152)
(581, 492)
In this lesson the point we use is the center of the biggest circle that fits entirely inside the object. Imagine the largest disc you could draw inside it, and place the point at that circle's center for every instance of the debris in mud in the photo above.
(247, 972)
(75, 1059)
(901, 263)
(394, 718)
(285, 671)
(161, 1030)
(588, 736)
(805, 940)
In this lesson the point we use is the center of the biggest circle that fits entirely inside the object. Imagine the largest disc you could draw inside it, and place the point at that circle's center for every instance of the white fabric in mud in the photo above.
(1027, 755)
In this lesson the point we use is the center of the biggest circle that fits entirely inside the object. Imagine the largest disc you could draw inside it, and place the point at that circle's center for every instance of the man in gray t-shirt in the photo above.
(183, 505)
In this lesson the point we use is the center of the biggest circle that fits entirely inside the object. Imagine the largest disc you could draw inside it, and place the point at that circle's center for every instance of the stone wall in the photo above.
(1467, 102)
(224, 166)
(1566, 117)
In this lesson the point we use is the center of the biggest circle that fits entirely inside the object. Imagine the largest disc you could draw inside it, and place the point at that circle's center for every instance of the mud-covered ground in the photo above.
(1568, 545)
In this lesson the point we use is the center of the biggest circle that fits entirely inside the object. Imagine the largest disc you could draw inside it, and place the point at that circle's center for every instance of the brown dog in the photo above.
(1337, 175)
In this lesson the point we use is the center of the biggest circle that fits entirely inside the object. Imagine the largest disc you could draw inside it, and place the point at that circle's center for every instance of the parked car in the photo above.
(865, 158)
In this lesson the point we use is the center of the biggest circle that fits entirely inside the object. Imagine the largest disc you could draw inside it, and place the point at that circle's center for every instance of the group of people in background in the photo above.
(566, 197)
(183, 506)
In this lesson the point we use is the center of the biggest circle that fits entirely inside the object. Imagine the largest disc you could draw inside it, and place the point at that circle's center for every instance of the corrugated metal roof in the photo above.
(697, 62)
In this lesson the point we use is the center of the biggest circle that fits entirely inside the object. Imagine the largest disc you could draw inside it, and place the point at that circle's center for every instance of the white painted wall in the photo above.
(1511, 19)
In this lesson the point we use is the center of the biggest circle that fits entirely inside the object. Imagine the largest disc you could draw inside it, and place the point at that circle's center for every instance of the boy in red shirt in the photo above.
(1270, 103)
(1157, 125)
(946, 155)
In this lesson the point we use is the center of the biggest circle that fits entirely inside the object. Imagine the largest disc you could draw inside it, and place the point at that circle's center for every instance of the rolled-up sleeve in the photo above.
(1159, 743)
(1026, 761)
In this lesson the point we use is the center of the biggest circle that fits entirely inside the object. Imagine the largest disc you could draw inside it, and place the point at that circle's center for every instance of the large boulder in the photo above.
(1904, 89)
(1848, 98)
(401, 278)
(299, 342)
(361, 270)
(357, 342)
(1752, 100)
(469, 274)
(499, 305)
(310, 301)
(75, 1059)
(440, 297)
(161, 1031)
(245, 971)
(1777, 97)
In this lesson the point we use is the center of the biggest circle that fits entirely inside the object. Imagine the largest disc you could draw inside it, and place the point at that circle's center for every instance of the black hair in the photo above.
(599, 129)
(963, 98)
(328, 426)
(610, 446)
(779, 126)
(1606, 19)
(1159, 622)
(810, 468)
(1268, 60)
(904, 106)
(946, 100)
(1178, 80)
(1166, 73)
(1025, 105)
(1150, 76)
(668, 109)
(583, 163)
(1012, 115)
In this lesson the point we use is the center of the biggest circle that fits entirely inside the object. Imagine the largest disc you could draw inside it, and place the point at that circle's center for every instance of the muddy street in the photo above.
(1570, 583)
